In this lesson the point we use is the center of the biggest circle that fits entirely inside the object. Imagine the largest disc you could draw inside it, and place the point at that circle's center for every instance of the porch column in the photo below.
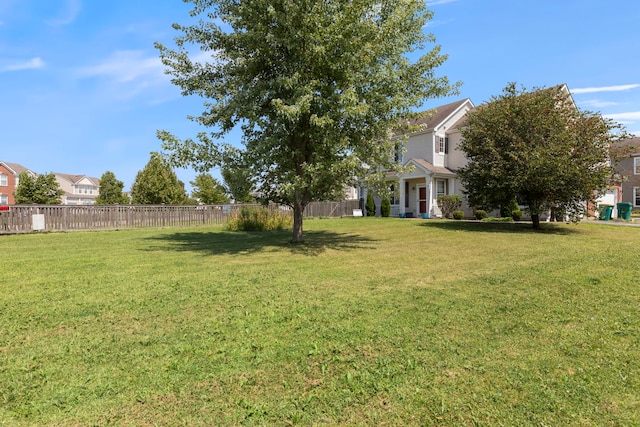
(403, 196)
(429, 183)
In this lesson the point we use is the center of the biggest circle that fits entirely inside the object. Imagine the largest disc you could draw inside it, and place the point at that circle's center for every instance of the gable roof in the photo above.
(16, 168)
(440, 114)
(74, 179)
(440, 170)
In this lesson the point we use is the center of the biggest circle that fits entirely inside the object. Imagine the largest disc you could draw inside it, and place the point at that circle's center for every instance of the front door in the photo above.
(422, 199)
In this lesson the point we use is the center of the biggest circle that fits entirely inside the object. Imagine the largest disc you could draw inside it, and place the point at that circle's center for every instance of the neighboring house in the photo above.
(433, 154)
(78, 189)
(9, 180)
(629, 169)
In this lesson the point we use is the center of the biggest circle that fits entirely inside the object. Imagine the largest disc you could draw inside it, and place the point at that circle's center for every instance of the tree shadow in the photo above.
(500, 227)
(249, 242)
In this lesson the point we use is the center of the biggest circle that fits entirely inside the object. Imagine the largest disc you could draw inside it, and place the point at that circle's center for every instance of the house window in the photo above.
(636, 165)
(636, 197)
(4, 200)
(397, 153)
(441, 145)
(441, 187)
(393, 199)
(4, 180)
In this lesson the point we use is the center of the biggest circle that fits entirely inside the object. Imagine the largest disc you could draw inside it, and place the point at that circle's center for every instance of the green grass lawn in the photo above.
(371, 322)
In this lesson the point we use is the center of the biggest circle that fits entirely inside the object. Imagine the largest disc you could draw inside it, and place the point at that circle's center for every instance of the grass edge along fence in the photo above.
(28, 218)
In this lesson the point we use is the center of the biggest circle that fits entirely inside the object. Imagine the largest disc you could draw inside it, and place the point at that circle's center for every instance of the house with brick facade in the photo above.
(9, 180)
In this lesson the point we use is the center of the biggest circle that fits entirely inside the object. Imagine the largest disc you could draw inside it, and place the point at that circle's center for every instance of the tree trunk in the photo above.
(535, 219)
(298, 211)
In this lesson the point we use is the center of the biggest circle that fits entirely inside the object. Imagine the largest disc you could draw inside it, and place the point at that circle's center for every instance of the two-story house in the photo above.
(78, 189)
(9, 180)
(629, 168)
(433, 156)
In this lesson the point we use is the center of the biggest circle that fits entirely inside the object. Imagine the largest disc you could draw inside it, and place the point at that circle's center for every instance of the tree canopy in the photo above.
(316, 86)
(110, 192)
(158, 184)
(538, 148)
(208, 190)
(41, 190)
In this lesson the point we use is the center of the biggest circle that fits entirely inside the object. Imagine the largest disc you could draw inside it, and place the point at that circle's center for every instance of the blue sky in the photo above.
(82, 89)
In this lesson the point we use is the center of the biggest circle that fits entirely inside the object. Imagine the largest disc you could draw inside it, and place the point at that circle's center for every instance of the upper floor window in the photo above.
(397, 153)
(636, 165)
(443, 145)
(4, 180)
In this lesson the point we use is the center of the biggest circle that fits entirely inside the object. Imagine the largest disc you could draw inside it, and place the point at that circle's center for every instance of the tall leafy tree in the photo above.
(238, 182)
(110, 192)
(315, 85)
(42, 190)
(538, 148)
(158, 184)
(208, 190)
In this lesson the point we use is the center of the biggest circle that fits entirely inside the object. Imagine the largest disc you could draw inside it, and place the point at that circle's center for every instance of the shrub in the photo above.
(480, 214)
(516, 214)
(251, 218)
(370, 206)
(448, 204)
(458, 214)
(385, 208)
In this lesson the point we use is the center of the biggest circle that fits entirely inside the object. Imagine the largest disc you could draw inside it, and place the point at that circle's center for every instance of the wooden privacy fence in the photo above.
(27, 218)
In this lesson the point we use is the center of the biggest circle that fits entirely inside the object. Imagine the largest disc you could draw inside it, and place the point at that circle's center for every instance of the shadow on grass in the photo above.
(500, 227)
(249, 242)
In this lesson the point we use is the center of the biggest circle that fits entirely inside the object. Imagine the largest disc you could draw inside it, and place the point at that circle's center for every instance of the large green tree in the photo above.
(316, 86)
(41, 190)
(538, 148)
(239, 183)
(208, 190)
(158, 184)
(110, 192)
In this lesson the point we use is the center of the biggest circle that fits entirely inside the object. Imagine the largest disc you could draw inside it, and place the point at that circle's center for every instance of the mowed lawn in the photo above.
(371, 322)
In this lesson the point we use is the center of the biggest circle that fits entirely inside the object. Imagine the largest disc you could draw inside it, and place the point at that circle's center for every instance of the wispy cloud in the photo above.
(596, 103)
(631, 116)
(31, 64)
(618, 88)
(126, 66)
(68, 14)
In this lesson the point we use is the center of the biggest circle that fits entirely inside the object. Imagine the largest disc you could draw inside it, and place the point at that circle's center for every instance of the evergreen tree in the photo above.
(158, 184)
(110, 192)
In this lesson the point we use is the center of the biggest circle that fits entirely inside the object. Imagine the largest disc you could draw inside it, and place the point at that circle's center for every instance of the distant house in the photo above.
(629, 169)
(78, 189)
(9, 180)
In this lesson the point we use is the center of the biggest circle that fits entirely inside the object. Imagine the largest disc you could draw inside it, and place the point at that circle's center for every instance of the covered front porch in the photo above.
(419, 189)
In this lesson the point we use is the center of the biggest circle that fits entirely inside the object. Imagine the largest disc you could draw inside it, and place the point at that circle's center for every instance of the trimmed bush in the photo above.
(251, 218)
(480, 214)
(458, 214)
(370, 206)
(448, 204)
(385, 208)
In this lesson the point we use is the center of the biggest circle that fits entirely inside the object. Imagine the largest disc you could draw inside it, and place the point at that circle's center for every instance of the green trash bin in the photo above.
(605, 212)
(624, 210)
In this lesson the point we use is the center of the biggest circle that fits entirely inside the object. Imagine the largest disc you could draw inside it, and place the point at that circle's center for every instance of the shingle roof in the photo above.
(75, 178)
(17, 168)
(440, 170)
(439, 114)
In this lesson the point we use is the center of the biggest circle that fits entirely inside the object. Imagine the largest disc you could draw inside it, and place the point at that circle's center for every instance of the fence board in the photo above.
(113, 217)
